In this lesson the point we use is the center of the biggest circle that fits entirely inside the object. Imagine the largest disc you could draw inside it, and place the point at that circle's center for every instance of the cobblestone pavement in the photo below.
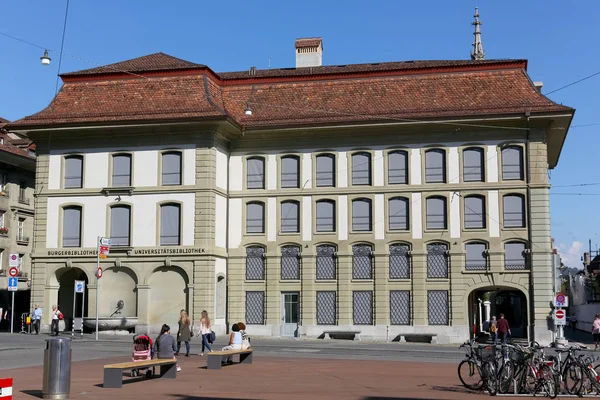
(267, 378)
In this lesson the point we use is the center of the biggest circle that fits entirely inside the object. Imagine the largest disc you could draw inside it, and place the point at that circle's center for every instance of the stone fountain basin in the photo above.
(111, 323)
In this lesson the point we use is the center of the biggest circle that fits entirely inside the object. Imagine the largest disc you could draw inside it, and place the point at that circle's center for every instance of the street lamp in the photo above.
(45, 59)
(248, 109)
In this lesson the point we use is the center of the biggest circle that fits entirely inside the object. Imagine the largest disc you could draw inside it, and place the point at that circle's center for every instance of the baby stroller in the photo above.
(142, 351)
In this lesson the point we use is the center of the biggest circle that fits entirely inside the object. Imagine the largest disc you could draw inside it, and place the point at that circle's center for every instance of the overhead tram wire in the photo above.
(573, 83)
(62, 45)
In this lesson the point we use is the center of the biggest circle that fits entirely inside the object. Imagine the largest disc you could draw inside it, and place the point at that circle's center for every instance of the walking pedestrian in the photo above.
(55, 320)
(205, 331)
(184, 333)
(503, 329)
(37, 317)
(596, 331)
(494, 329)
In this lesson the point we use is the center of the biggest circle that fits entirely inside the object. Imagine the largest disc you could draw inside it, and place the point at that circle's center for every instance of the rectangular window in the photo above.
(437, 307)
(171, 169)
(255, 263)
(437, 260)
(398, 168)
(21, 261)
(170, 225)
(514, 256)
(325, 216)
(326, 308)
(436, 213)
(255, 218)
(120, 225)
(72, 227)
(361, 169)
(361, 215)
(73, 172)
(514, 211)
(326, 170)
(290, 217)
(399, 261)
(400, 307)
(476, 257)
(290, 263)
(512, 163)
(255, 174)
(290, 172)
(22, 189)
(435, 166)
(121, 174)
(325, 261)
(362, 262)
(362, 307)
(473, 165)
(1, 219)
(21, 230)
(475, 215)
(255, 308)
(3, 182)
(398, 210)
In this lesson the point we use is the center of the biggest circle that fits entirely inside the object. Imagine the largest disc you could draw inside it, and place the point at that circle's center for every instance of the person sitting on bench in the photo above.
(164, 345)
(235, 342)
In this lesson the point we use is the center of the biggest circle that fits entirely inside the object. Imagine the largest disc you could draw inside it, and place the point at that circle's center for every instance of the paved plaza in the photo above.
(282, 369)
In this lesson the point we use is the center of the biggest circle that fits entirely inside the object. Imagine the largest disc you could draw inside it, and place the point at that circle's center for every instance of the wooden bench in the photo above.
(331, 334)
(216, 358)
(430, 337)
(113, 373)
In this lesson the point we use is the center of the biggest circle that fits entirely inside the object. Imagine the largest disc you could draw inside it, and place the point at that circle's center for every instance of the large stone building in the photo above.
(17, 175)
(384, 198)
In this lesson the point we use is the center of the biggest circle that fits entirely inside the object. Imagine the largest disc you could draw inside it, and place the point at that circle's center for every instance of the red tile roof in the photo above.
(308, 42)
(297, 96)
(19, 147)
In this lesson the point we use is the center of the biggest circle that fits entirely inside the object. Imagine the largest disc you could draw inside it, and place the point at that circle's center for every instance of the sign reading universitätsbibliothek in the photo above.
(145, 251)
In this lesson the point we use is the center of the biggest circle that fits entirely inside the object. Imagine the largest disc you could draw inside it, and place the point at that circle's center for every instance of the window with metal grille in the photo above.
(325, 216)
(362, 307)
(71, 226)
(120, 225)
(121, 173)
(255, 263)
(170, 225)
(398, 167)
(475, 215)
(437, 307)
(255, 173)
(325, 170)
(512, 163)
(435, 166)
(255, 217)
(436, 213)
(255, 308)
(473, 170)
(361, 215)
(476, 259)
(290, 263)
(325, 262)
(171, 168)
(290, 172)
(400, 307)
(398, 210)
(361, 169)
(290, 216)
(514, 211)
(514, 256)
(399, 261)
(73, 172)
(437, 260)
(326, 308)
(362, 261)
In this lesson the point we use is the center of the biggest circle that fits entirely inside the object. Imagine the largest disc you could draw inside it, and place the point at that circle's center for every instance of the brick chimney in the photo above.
(309, 52)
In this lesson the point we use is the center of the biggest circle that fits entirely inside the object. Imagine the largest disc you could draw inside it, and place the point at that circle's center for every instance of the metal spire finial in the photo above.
(477, 53)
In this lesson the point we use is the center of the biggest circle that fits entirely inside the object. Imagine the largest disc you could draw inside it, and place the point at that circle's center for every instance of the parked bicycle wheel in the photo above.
(505, 377)
(490, 382)
(468, 373)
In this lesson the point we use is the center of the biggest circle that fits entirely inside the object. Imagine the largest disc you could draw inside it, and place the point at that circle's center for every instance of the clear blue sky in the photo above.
(560, 40)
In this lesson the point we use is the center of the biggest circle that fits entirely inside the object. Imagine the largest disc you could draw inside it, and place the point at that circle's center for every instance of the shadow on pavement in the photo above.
(188, 397)
(453, 389)
(396, 398)
(33, 393)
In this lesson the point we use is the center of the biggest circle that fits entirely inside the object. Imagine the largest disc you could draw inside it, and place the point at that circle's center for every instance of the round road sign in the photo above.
(560, 314)
(13, 271)
(99, 273)
(560, 298)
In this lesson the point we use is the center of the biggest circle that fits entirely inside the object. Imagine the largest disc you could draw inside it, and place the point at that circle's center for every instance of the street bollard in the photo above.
(57, 369)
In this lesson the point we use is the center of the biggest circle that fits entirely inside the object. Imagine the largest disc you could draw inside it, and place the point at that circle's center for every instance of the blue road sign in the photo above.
(79, 286)
(12, 284)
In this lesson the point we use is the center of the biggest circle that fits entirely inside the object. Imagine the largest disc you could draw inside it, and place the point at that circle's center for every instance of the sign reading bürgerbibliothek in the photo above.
(148, 251)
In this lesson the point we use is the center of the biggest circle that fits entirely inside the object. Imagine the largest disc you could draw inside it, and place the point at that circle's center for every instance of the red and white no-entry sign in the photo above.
(13, 271)
(6, 388)
(559, 317)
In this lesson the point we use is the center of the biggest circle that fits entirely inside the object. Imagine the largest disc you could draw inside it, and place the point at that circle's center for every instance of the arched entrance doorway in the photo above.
(487, 302)
(66, 280)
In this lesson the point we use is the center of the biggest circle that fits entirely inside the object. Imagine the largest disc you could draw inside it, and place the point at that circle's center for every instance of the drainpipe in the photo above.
(531, 315)
(227, 248)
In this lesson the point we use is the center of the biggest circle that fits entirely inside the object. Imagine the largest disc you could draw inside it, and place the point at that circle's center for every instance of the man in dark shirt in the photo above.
(503, 328)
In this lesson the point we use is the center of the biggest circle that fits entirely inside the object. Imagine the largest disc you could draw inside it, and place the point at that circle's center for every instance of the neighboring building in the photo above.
(385, 198)
(17, 169)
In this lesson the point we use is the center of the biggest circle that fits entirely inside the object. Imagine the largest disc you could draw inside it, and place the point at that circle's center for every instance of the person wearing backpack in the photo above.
(56, 317)
(494, 329)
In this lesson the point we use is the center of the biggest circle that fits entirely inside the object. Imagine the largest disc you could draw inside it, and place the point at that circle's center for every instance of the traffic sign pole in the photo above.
(97, 282)
(12, 312)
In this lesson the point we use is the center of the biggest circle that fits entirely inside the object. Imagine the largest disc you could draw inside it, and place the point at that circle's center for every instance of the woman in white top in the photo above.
(235, 341)
(205, 331)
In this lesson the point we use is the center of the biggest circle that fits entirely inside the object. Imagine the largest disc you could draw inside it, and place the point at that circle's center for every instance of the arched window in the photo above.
(290, 216)
(398, 167)
(326, 170)
(71, 234)
(475, 214)
(476, 259)
(255, 217)
(325, 262)
(290, 263)
(399, 261)
(325, 216)
(514, 256)
(255, 173)
(121, 170)
(362, 261)
(436, 217)
(120, 225)
(290, 172)
(170, 225)
(473, 170)
(514, 211)
(435, 166)
(361, 215)
(437, 260)
(73, 172)
(398, 210)
(171, 168)
(512, 163)
(361, 169)
(255, 263)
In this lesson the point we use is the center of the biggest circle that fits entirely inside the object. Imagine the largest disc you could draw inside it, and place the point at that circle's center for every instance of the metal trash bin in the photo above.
(57, 368)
